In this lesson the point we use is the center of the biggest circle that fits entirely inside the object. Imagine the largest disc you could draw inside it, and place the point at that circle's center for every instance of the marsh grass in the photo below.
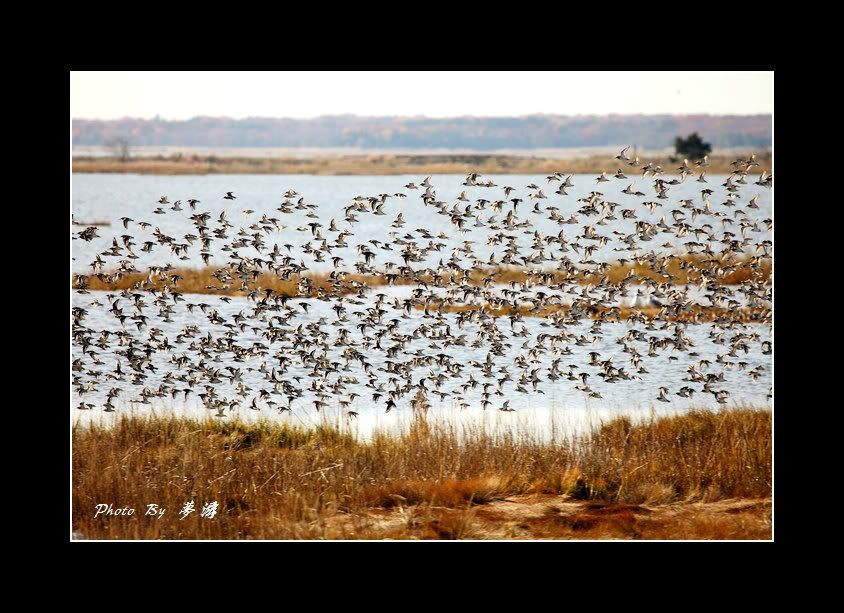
(386, 165)
(694, 314)
(425, 480)
(685, 269)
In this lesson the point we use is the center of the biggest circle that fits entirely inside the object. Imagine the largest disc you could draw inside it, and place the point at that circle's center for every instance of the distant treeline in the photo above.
(479, 133)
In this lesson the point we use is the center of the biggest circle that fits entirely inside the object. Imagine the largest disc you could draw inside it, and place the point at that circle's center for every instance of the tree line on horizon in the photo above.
(530, 132)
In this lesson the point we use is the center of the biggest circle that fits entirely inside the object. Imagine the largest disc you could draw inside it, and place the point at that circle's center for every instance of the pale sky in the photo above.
(182, 95)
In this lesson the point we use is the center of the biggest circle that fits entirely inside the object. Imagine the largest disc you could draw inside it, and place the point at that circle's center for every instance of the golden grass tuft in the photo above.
(679, 270)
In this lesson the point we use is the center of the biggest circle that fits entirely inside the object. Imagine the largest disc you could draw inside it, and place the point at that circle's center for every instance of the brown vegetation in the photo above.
(384, 165)
(679, 270)
(692, 314)
(701, 475)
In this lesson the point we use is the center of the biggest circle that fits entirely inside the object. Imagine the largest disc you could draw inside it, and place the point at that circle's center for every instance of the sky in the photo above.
(308, 94)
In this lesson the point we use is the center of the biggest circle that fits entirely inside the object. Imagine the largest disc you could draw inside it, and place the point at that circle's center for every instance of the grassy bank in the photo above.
(679, 270)
(664, 478)
(692, 314)
(386, 165)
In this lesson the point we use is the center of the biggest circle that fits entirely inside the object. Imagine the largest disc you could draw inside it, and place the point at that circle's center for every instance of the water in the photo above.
(102, 197)
(439, 346)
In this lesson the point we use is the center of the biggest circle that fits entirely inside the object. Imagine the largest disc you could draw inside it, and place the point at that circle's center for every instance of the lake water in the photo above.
(103, 197)
(332, 360)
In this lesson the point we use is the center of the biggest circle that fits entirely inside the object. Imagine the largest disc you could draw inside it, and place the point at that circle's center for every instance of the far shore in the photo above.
(405, 164)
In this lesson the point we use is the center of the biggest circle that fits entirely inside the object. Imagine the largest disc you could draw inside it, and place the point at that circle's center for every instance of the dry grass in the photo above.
(686, 269)
(384, 165)
(547, 517)
(694, 314)
(204, 281)
(678, 270)
(429, 480)
(200, 281)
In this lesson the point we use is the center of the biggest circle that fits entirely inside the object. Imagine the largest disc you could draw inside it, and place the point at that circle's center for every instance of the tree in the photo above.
(692, 146)
(120, 148)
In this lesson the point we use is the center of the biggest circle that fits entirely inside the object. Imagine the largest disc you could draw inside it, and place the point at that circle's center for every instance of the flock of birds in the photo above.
(335, 360)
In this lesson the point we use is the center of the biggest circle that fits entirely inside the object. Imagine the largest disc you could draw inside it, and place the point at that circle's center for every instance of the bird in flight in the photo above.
(479, 299)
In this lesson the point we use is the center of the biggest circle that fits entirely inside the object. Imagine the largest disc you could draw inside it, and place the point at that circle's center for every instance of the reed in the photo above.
(387, 165)
(692, 314)
(682, 269)
(661, 478)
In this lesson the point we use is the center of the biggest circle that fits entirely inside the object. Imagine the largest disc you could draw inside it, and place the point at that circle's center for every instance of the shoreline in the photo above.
(680, 270)
(386, 164)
